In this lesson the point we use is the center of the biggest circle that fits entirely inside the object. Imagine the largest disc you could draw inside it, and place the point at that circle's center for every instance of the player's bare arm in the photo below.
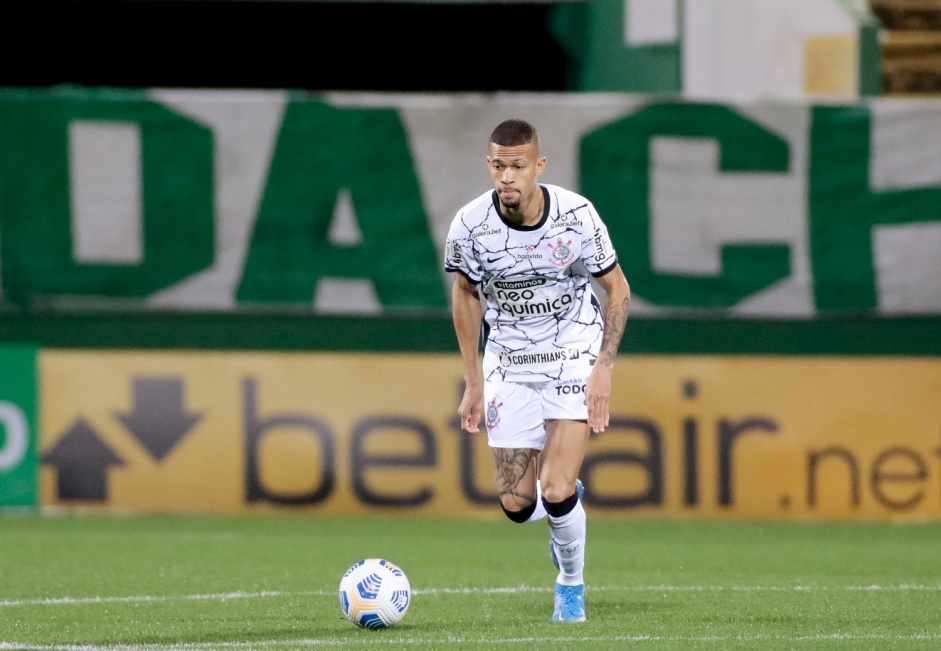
(617, 304)
(466, 312)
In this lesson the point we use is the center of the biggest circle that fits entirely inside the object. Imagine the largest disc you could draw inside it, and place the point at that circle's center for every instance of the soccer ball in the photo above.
(375, 593)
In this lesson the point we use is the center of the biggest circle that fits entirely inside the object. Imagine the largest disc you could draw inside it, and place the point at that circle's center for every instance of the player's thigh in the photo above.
(561, 458)
(567, 435)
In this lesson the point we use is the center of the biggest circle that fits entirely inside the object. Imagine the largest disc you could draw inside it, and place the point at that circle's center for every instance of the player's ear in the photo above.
(541, 165)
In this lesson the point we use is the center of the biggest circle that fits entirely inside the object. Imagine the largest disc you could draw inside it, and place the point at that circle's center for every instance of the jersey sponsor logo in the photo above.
(527, 302)
(455, 248)
(529, 255)
(537, 358)
(561, 254)
(601, 251)
(528, 283)
(566, 220)
(486, 231)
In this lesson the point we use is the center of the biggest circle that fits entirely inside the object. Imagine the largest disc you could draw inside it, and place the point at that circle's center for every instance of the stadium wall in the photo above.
(233, 301)
(723, 49)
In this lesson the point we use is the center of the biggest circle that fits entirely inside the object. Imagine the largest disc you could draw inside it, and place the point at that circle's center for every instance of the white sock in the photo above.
(568, 538)
(540, 511)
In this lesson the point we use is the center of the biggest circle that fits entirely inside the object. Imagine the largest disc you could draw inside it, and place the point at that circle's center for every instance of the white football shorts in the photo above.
(515, 412)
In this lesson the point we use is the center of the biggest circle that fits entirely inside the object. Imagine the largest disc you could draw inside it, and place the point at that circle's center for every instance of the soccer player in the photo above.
(530, 250)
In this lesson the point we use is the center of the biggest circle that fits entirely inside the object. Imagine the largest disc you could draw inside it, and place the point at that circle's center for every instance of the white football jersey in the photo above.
(542, 318)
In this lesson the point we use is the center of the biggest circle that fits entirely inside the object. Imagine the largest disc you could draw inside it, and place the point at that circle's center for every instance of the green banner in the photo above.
(18, 427)
(249, 203)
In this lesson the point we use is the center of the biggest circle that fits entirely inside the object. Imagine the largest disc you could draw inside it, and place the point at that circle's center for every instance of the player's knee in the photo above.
(556, 491)
(564, 507)
(520, 516)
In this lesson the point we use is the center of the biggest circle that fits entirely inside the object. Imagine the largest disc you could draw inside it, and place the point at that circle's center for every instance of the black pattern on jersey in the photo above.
(542, 317)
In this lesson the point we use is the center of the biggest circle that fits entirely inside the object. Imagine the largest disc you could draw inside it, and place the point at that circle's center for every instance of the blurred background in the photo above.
(378, 46)
(222, 229)
(454, 45)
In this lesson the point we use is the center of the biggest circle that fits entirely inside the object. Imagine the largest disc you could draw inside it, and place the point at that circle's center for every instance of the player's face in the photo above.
(514, 170)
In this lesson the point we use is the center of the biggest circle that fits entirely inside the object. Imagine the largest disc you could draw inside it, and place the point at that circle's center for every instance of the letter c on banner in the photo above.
(13, 423)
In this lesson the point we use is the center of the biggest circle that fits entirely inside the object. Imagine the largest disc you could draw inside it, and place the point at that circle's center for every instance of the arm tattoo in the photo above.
(615, 318)
(510, 465)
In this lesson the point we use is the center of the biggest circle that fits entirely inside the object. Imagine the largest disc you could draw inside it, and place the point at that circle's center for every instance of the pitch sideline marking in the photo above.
(52, 601)
(302, 643)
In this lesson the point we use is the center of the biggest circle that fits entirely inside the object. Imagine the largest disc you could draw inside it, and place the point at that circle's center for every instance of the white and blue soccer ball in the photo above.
(375, 593)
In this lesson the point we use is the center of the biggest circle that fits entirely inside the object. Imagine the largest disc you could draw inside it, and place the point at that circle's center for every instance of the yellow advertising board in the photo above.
(702, 436)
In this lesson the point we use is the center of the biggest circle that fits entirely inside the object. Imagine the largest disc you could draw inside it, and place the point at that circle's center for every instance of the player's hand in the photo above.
(597, 396)
(471, 408)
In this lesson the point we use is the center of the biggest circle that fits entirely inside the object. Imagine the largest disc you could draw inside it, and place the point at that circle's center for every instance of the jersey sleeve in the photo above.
(459, 255)
(598, 252)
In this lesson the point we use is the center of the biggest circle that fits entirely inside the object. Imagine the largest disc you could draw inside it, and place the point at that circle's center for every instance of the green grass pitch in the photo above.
(269, 582)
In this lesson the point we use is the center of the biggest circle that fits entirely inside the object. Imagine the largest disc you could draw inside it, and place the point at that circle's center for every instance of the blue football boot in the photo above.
(569, 603)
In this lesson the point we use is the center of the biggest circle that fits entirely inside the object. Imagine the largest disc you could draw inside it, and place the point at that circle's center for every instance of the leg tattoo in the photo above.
(511, 466)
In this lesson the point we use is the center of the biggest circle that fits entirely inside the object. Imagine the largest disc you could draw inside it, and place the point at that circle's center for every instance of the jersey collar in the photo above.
(534, 227)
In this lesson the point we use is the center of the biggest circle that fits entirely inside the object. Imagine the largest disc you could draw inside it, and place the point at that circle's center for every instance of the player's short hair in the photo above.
(510, 133)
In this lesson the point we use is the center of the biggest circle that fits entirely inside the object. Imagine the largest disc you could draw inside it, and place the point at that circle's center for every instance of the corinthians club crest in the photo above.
(561, 254)
(493, 414)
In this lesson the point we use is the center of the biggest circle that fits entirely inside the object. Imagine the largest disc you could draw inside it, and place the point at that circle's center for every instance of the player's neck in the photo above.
(530, 213)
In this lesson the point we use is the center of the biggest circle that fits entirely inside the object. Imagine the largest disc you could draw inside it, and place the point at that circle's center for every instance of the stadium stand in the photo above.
(911, 46)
